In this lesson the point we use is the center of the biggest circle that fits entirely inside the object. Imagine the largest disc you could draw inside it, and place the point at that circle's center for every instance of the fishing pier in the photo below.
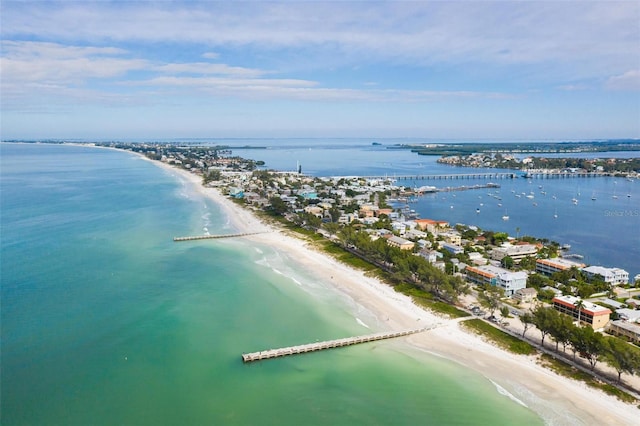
(329, 344)
(213, 237)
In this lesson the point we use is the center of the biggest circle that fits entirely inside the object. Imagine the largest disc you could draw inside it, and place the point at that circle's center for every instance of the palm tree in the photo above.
(517, 232)
(579, 305)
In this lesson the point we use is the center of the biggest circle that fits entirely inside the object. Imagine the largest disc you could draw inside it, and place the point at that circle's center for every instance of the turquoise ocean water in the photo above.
(105, 320)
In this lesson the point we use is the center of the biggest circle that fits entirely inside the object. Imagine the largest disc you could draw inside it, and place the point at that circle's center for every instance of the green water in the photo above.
(106, 321)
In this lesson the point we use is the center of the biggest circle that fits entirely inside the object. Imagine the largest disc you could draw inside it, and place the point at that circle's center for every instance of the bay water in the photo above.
(602, 225)
(105, 320)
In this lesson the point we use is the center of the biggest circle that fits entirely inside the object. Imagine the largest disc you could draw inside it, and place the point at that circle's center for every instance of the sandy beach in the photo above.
(557, 399)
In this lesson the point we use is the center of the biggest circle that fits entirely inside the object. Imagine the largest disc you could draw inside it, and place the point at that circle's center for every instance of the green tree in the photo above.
(507, 262)
(335, 213)
(278, 206)
(543, 320)
(490, 298)
(504, 312)
(561, 328)
(527, 320)
(588, 343)
(621, 356)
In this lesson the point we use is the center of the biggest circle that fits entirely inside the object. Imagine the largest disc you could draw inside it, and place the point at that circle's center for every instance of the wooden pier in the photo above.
(329, 344)
(211, 237)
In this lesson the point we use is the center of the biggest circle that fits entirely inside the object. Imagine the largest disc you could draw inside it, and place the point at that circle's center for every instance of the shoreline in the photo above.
(556, 399)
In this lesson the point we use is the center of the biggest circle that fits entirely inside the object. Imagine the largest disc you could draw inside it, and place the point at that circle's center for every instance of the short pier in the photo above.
(211, 237)
(329, 344)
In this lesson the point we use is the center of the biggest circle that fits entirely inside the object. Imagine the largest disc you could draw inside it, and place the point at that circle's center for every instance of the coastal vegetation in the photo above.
(521, 147)
(499, 337)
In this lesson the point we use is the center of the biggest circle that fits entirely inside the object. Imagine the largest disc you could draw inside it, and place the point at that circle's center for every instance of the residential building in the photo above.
(431, 256)
(613, 276)
(452, 248)
(401, 243)
(550, 266)
(516, 252)
(594, 315)
(451, 237)
(431, 225)
(416, 234)
(477, 258)
(509, 281)
(314, 210)
(525, 295)
(625, 329)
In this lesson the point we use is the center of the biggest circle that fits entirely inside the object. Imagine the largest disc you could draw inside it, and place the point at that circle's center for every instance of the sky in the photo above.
(505, 70)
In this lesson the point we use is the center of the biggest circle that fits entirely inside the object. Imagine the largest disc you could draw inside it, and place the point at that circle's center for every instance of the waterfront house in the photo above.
(550, 266)
(613, 276)
(431, 225)
(516, 252)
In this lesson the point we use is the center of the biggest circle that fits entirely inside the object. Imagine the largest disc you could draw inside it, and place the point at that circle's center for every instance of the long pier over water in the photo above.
(210, 237)
(495, 175)
(329, 344)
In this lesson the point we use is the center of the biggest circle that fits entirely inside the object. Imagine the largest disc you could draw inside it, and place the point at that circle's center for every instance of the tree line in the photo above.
(584, 340)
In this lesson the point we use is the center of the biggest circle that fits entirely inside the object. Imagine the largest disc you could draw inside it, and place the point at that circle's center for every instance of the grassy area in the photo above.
(428, 301)
(499, 337)
(569, 371)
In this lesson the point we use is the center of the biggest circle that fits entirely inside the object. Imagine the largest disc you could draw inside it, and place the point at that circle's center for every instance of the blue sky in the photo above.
(436, 70)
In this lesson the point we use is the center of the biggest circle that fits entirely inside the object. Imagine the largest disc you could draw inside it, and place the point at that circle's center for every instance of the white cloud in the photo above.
(51, 63)
(207, 68)
(413, 32)
(629, 80)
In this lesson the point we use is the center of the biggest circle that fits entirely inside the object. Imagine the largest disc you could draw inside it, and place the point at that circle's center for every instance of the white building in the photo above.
(549, 266)
(517, 252)
(613, 276)
(509, 281)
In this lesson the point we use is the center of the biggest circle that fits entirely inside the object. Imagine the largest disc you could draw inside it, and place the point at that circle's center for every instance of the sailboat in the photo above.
(593, 196)
(555, 214)
(505, 216)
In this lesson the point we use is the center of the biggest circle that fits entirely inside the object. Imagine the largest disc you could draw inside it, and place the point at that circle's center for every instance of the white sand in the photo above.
(557, 399)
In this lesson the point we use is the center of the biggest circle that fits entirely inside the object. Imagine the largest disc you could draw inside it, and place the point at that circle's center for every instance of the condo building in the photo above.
(594, 315)
(509, 281)
(550, 266)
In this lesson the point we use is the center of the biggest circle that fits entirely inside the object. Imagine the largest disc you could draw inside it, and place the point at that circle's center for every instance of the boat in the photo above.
(505, 216)
(574, 200)
(477, 210)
